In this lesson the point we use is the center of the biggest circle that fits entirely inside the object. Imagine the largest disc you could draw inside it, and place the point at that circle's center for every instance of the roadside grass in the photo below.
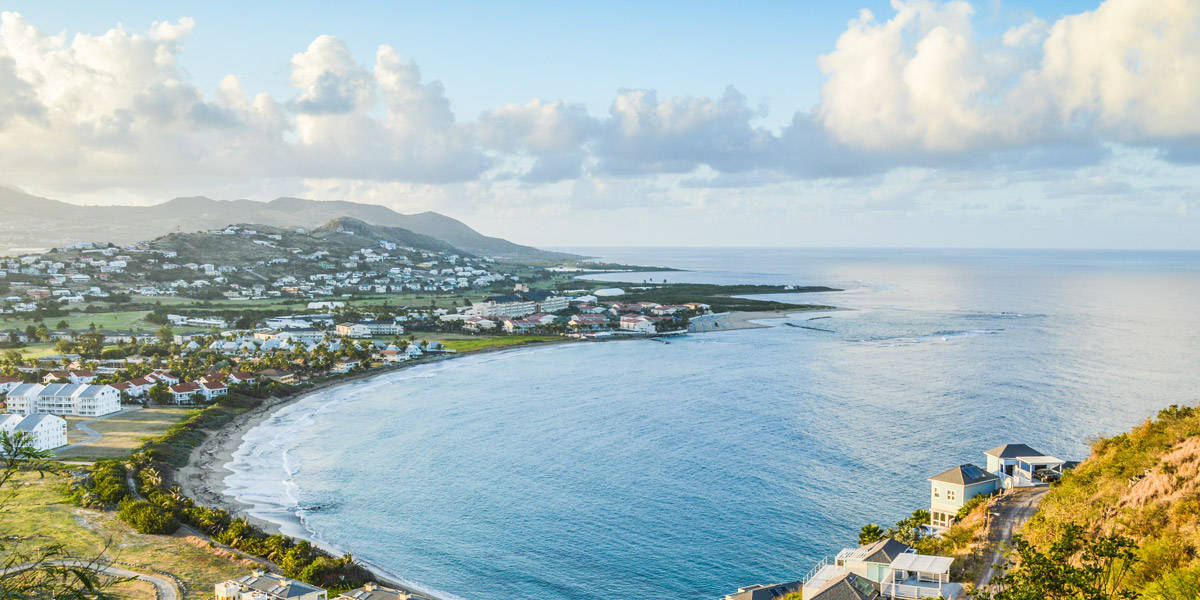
(475, 344)
(122, 433)
(38, 514)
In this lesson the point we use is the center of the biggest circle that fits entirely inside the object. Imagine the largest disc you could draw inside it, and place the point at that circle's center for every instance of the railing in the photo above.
(902, 590)
(813, 572)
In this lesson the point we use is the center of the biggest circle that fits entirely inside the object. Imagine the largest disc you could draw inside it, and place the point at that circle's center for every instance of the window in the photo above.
(950, 494)
(937, 493)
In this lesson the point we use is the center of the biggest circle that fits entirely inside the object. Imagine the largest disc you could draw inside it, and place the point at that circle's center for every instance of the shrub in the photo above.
(147, 517)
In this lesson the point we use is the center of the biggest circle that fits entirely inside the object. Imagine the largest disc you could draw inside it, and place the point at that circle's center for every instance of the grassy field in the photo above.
(121, 432)
(473, 344)
(119, 320)
(38, 515)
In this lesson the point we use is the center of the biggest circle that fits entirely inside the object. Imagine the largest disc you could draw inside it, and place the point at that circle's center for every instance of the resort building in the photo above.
(519, 304)
(364, 329)
(884, 569)
(373, 591)
(45, 431)
(81, 400)
(951, 489)
(1018, 465)
(260, 585)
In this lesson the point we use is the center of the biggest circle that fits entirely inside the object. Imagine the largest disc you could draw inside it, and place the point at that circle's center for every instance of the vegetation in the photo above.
(720, 297)
(1143, 487)
(164, 507)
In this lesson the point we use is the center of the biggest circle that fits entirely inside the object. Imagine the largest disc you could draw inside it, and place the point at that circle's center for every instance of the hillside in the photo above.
(1145, 486)
(33, 222)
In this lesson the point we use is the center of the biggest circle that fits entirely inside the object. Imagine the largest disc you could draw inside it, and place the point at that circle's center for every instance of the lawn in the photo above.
(38, 515)
(118, 320)
(121, 432)
(474, 344)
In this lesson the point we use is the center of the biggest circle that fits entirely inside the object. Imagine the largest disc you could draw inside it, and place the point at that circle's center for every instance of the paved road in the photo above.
(166, 588)
(1012, 511)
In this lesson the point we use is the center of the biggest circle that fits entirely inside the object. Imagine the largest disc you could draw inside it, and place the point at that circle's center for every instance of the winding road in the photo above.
(165, 587)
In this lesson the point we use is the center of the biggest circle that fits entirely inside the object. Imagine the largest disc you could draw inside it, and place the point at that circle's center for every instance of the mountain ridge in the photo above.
(30, 221)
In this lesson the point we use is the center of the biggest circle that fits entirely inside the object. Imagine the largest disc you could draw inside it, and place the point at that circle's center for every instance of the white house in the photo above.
(46, 431)
(183, 393)
(373, 591)
(1017, 464)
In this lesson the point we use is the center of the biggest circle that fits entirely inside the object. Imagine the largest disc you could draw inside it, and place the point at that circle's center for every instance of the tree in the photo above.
(41, 571)
(165, 335)
(1075, 567)
(159, 394)
(870, 533)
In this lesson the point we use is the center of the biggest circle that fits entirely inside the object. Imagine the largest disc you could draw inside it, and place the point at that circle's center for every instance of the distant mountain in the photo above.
(31, 222)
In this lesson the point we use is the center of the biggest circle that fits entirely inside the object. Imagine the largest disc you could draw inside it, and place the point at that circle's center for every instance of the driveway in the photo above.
(1011, 512)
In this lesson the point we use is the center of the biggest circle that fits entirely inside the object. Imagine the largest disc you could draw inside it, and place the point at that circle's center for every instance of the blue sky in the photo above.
(768, 123)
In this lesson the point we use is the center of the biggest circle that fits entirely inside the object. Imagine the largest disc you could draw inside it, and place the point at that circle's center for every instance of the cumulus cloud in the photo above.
(919, 87)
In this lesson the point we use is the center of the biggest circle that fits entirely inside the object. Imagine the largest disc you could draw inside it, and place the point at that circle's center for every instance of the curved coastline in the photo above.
(211, 463)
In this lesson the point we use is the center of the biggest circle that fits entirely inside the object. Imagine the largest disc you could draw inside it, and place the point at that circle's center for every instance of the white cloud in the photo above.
(920, 88)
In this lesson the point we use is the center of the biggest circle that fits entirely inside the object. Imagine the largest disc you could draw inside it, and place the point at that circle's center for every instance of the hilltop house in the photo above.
(46, 431)
(951, 489)
(260, 585)
(883, 569)
(1018, 465)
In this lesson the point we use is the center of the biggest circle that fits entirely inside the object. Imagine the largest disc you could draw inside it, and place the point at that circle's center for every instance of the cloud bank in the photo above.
(920, 88)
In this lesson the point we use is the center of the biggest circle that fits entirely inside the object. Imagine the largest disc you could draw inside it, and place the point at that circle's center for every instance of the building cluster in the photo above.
(260, 585)
(890, 569)
(88, 271)
(531, 310)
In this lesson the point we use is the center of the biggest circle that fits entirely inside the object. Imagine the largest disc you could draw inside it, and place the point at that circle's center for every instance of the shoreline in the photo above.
(202, 478)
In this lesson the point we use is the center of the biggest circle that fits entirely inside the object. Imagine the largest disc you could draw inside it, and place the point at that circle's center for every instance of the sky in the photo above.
(904, 123)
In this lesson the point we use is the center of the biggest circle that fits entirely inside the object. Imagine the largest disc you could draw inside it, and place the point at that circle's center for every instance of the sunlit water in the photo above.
(637, 469)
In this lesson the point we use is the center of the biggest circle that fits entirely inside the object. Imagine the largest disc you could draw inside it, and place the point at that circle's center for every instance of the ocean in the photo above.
(636, 469)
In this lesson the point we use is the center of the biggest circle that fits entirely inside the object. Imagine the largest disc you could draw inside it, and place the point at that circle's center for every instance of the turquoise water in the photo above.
(636, 469)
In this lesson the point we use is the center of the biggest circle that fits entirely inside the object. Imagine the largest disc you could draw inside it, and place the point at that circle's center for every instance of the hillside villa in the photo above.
(1008, 466)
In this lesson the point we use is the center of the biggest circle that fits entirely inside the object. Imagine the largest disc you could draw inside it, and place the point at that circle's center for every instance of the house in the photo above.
(884, 569)
(873, 560)
(1018, 465)
(163, 376)
(213, 387)
(8, 383)
(77, 399)
(260, 585)
(845, 586)
(278, 376)
(46, 432)
(184, 393)
(69, 376)
(640, 323)
(345, 365)
(588, 321)
(358, 330)
(373, 591)
(242, 377)
(951, 489)
(478, 324)
(764, 592)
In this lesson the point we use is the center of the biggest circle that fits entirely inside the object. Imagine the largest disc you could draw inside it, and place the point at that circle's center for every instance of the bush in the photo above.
(146, 517)
(104, 485)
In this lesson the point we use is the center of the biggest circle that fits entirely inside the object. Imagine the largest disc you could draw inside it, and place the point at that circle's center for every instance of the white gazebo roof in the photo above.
(922, 563)
(1041, 460)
